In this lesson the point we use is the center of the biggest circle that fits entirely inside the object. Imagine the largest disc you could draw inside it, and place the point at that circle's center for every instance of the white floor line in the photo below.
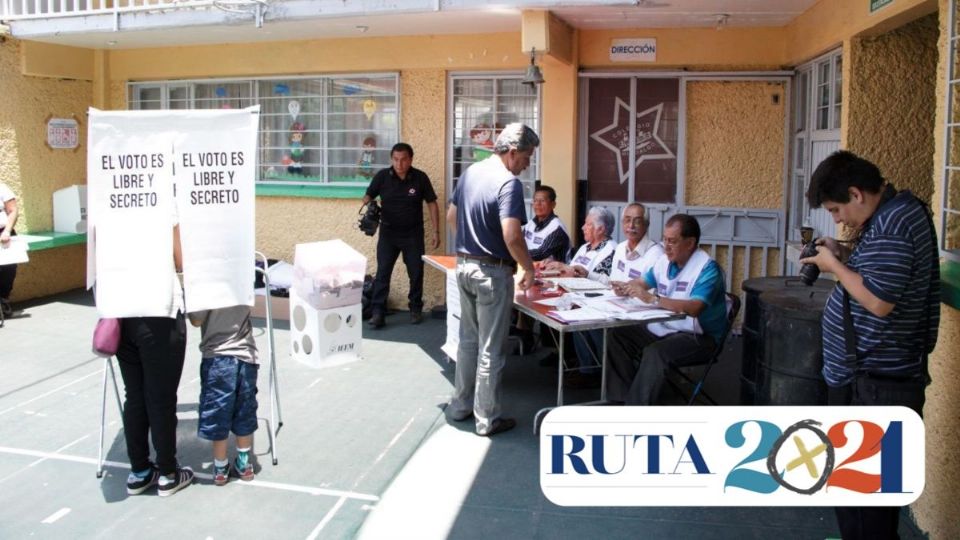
(41, 460)
(390, 445)
(255, 483)
(326, 519)
(55, 390)
(56, 515)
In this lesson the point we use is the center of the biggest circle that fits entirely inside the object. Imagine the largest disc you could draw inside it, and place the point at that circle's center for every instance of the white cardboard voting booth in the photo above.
(325, 311)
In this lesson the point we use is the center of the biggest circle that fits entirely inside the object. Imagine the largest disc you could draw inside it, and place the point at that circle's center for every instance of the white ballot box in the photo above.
(325, 311)
(70, 209)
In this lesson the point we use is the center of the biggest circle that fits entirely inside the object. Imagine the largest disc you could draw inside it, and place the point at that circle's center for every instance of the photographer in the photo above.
(402, 190)
(880, 322)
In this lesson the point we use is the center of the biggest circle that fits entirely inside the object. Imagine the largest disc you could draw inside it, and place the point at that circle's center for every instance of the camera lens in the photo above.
(809, 272)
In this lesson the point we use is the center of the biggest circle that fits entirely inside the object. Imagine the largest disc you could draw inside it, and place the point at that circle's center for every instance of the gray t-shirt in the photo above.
(486, 193)
(227, 332)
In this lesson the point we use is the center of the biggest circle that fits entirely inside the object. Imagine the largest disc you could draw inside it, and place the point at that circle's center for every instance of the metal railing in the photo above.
(14, 10)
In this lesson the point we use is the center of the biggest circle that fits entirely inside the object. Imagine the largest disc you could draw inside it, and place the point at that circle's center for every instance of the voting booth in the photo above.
(325, 311)
(70, 209)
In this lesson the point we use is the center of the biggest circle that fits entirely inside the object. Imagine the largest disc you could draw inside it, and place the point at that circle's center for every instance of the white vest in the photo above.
(678, 288)
(536, 238)
(626, 270)
(590, 259)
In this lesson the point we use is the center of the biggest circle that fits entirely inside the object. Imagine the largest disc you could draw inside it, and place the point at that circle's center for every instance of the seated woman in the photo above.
(595, 256)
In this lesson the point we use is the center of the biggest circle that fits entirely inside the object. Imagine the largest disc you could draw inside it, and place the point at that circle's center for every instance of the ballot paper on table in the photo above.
(578, 315)
(578, 284)
(644, 315)
(14, 253)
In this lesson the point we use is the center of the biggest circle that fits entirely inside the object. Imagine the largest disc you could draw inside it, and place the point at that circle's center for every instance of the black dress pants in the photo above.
(151, 357)
(875, 522)
(391, 245)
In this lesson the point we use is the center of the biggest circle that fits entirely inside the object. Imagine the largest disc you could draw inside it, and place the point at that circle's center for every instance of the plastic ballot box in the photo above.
(325, 311)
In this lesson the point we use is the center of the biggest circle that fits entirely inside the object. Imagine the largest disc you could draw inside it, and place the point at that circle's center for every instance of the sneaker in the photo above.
(221, 475)
(416, 317)
(244, 473)
(168, 485)
(377, 321)
(137, 485)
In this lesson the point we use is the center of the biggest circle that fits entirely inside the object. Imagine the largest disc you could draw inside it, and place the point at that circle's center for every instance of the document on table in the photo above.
(644, 315)
(578, 284)
(14, 253)
(578, 315)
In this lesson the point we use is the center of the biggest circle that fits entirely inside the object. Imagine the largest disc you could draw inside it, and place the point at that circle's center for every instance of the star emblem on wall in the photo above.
(616, 137)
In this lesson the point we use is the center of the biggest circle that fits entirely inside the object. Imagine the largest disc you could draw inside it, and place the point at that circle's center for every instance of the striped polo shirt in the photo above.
(896, 256)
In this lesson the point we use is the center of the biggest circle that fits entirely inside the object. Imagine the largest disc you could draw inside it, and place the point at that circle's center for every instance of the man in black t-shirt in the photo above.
(402, 190)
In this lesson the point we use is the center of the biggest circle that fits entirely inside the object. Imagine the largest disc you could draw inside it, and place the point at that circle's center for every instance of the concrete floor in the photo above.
(364, 451)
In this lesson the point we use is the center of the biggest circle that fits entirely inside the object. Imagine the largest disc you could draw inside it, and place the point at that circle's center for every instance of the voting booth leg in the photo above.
(276, 416)
(107, 369)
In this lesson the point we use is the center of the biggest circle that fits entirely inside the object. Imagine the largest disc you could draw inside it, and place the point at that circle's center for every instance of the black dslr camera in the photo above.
(809, 272)
(369, 218)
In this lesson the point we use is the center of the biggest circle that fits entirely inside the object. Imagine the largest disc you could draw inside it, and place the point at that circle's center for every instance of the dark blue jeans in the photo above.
(875, 522)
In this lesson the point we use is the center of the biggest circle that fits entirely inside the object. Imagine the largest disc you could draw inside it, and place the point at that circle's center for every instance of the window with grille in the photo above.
(334, 129)
(480, 106)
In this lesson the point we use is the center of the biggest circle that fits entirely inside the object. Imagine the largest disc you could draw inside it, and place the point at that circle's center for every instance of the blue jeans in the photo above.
(589, 347)
(228, 398)
(486, 299)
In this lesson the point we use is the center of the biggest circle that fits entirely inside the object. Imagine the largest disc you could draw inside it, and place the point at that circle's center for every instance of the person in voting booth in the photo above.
(487, 212)
(150, 357)
(683, 280)
(632, 258)
(9, 212)
(880, 322)
(546, 235)
(228, 387)
(595, 256)
(402, 190)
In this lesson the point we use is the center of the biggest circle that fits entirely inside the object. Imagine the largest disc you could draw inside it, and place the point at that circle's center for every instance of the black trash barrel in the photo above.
(753, 318)
(788, 372)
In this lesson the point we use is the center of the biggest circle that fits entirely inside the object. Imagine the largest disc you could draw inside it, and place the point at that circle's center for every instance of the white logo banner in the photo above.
(732, 456)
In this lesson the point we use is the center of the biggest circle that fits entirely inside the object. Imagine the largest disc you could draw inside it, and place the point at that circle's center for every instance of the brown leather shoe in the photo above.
(416, 317)
(377, 321)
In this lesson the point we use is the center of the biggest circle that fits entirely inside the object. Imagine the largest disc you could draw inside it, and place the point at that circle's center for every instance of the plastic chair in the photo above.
(733, 308)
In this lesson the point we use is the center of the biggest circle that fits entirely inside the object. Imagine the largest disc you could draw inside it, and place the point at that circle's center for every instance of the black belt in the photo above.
(484, 259)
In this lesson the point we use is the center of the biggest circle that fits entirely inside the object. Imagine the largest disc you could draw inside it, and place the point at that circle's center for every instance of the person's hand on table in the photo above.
(5, 237)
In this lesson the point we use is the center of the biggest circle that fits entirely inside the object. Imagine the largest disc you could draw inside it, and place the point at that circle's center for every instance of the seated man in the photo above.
(595, 256)
(632, 258)
(686, 281)
(546, 236)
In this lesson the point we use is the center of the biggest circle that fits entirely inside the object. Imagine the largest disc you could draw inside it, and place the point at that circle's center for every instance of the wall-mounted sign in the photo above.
(633, 50)
(877, 4)
(63, 133)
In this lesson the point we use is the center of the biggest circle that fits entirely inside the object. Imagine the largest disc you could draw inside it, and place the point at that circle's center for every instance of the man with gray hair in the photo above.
(595, 257)
(632, 258)
(487, 212)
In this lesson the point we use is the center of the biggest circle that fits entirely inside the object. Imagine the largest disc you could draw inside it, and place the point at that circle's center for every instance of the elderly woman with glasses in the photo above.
(595, 256)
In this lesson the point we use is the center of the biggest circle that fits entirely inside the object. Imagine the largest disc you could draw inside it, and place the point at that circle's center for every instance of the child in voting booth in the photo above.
(228, 392)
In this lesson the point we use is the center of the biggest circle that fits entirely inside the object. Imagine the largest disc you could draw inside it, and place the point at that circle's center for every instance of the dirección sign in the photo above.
(633, 50)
